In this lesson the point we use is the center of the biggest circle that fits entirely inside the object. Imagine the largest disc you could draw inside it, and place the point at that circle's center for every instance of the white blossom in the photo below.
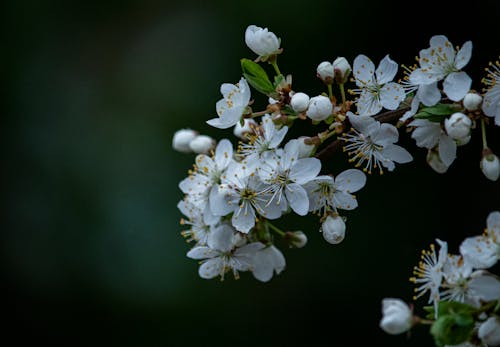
(231, 107)
(376, 89)
(333, 229)
(397, 316)
(320, 108)
(372, 144)
(441, 62)
(456, 273)
(325, 72)
(181, 139)
(491, 100)
(261, 41)
(266, 262)
(341, 69)
(458, 126)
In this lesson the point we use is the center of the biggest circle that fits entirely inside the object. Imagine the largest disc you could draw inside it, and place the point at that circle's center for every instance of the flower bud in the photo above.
(241, 131)
(261, 41)
(342, 70)
(320, 108)
(397, 316)
(490, 165)
(202, 144)
(296, 239)
(435, 162)
(181, 139)
(472, 101)
(489, 331)
(299, 102)
(458, 126)
(464, 141)
(325, 72)
(333, 229)
(305, 150)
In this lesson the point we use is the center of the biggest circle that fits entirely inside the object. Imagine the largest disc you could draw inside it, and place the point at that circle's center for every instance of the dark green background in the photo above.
(91, 251)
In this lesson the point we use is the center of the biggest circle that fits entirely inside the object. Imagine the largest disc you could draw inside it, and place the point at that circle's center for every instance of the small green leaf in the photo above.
(257, 77)
(277, 80)
(454, 307)
(452, 329)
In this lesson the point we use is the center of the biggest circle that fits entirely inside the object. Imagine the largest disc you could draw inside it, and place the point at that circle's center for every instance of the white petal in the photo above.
(485, 287)
(221, 200)
(344, 201)
(350, 180)
(391, 95)
(363, 70)
(397, 153)
(223, 154)
(479, 251)
(463, 55)
(447, 149)
(368, 104)
(297, 198)
(429, 94)
(456, 85)
(244, 218)
(386, 70)
(202, 252)
(221, 238)
(493, 224)
(305, 170)
(426, 133)
(363, 124)
(211, 268)
(420, 77)
(387, 134)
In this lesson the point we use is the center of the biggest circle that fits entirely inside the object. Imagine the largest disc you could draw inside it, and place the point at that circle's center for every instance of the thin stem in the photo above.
(342, 94)
(275, 66)
(258, 114)
(330, 91)
(276, 230)
(483, 133)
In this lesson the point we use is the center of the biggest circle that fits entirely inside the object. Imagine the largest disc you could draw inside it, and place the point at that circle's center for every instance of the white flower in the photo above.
(266, 262)
(333, 229)
(489, 331)
(371, 144)
(342, 70)
(472, 101)
(483, 251)
(320, 108)
(429, 273)
(296, 239)
(299, 102)
(397, 317)
(441, 62)
(220, 254)
(202, 144)
(490, 165)
(267, 138)
(458, 126)
(231, 107)
(376, 89)
(242, 131)
(286, 173)
(329, 193)
(429, 135)
(261, 41)
(181, 139)
(491, 100)
(199, 230)
(242, 194)
(325, 72)
(456, 274)
(435, 162)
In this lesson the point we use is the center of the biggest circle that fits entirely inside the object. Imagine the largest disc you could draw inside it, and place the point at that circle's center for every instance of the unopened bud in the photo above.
(305, 149)
(397, 316)
(342, 70)
(325, 72)
(248, 127)
(458, 126)
(490, 165)
(296, 239)
(472, 101)
(320, 108)
(202, 144)
(261, 41)
(435, 162)
(182, 138)
(333, 229)
(299, 102)
(489, 331)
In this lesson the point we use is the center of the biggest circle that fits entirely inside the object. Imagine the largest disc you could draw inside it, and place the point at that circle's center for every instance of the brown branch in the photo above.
(385, 117)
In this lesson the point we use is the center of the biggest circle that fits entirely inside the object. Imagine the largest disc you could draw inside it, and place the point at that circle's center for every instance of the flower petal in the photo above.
(344, 201)
(463, 55)
(244, 218)
(429, 94)
(223, 154)
(391, 95)
(305, 170)
(297, 198)
(202, 252)
(447, 149)
(363, 70)
(386, 70)
(397, 153)
(456, 85)
(211, 268)
(350, 180)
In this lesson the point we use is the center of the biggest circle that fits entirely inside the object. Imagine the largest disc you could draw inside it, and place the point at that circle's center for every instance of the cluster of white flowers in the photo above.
(458, 278)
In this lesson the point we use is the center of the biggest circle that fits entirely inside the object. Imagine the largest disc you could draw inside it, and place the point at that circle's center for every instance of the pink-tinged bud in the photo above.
(342, 69)
(182, 138)
(202, 144)
(490, 165)
(325, 72)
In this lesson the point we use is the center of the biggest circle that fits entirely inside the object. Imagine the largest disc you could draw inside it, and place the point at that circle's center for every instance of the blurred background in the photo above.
(91, 251)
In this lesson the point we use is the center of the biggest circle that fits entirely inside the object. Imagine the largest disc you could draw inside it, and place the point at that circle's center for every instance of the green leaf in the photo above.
(454, 307)
(277, 80)
(437, 113)
(452, 329)
(257, 77)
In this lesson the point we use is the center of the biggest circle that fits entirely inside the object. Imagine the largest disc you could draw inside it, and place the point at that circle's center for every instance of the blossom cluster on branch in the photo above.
(234, 196)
